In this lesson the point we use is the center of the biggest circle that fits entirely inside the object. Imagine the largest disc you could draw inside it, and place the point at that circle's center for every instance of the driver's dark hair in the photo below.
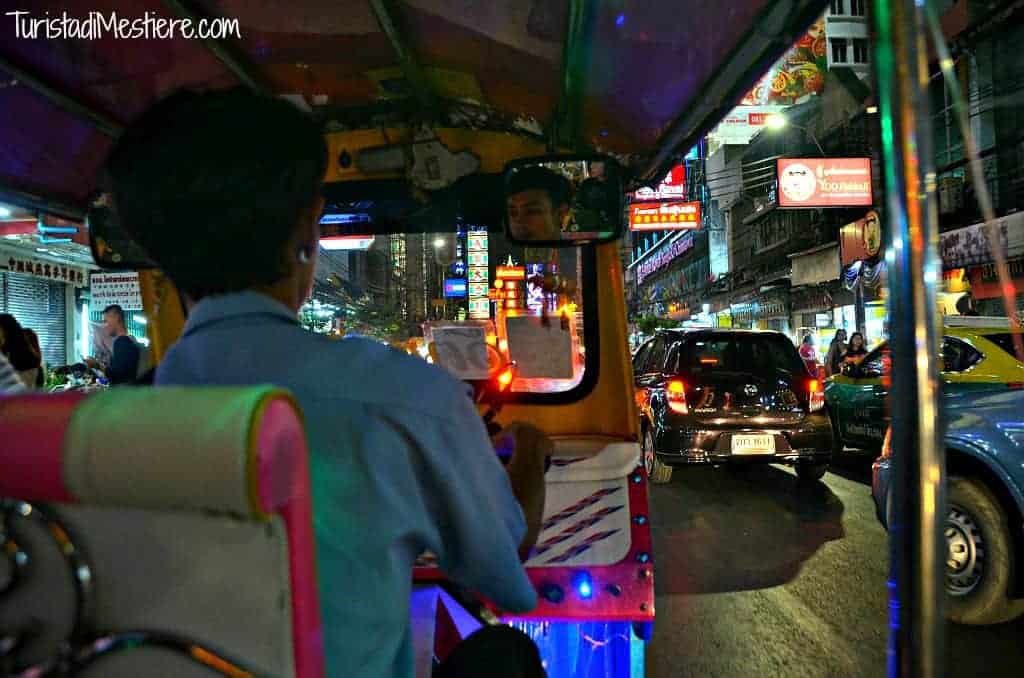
(212, 185)
(557, 186)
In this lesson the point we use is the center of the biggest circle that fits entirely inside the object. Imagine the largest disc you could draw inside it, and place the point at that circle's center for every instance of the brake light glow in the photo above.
(816, 398)
(1015, 385)
(505, 378)
(675, 394)
(709, 361)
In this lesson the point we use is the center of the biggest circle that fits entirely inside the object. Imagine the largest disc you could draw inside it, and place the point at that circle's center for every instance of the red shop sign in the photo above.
(664, 216)
(825, 182)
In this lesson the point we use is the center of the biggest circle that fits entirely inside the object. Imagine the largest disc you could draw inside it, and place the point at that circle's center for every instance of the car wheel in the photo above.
(657, 472)
(980, 552)
(809, 472)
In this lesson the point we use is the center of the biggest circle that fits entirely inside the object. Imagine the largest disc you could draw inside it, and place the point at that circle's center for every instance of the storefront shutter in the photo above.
(38, 305)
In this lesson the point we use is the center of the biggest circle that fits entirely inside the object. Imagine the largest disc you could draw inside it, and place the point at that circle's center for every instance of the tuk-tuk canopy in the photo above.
(635, 77)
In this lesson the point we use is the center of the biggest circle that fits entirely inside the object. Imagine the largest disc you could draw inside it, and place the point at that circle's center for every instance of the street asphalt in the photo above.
(757, 576)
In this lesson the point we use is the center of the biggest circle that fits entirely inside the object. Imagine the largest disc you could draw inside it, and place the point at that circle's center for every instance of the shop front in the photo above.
(987, 292)
(815, 280)
(971, 249)
(41, 293)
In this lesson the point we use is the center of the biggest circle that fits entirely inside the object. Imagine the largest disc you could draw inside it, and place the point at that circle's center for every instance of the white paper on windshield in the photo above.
(539, 351)
(462, 350)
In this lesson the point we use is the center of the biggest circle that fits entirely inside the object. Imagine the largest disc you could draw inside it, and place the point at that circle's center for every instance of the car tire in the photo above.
(809, 472)
(978, 524)
(657, 471)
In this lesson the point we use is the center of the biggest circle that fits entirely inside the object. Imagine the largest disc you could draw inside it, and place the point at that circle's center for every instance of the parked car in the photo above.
(729, 397)
(985, 491)
(973, 358)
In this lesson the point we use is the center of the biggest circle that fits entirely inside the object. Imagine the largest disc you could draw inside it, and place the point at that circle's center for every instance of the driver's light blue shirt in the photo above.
(400, 463)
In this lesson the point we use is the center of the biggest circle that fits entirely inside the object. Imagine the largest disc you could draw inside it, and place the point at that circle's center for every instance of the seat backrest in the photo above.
(178, 516)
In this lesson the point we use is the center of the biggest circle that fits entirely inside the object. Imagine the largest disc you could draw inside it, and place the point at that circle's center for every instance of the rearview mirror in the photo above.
(112, 247)
(563, 200)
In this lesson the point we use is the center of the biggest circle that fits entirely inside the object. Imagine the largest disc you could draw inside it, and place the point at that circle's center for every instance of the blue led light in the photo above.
(621, 19)
(583, 584)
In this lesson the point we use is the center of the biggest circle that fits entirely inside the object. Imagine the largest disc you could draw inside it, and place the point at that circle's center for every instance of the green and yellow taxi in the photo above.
(976, 355)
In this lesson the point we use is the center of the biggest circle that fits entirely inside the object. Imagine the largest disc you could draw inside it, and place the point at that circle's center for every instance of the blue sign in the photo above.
(459, 269)
(455, 287)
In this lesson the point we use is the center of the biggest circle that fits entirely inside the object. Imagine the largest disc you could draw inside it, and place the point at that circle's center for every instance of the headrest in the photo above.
(227, 450)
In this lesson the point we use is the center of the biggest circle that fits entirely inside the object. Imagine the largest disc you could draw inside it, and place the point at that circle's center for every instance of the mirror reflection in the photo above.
(563, 200)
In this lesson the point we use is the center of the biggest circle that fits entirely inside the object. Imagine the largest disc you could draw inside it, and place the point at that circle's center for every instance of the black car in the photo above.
(729, 397)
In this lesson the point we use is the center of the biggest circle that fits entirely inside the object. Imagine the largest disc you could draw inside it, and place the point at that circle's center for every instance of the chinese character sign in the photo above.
(664, 216)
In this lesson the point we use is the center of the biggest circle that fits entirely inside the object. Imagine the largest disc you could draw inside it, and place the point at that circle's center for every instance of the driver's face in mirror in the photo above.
(538, 204)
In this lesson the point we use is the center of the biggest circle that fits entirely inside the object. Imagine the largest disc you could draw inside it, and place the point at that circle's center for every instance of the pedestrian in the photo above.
(17, 350)
(809, 354)
(834, 357)
(124, 359)
(856, 351)
(33, 342)
(10, 382)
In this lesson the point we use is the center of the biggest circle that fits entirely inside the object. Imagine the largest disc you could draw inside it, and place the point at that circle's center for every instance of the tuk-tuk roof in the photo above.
(644, 78)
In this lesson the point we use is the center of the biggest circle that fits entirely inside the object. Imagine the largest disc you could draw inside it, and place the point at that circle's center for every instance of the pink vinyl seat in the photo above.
(172, 521)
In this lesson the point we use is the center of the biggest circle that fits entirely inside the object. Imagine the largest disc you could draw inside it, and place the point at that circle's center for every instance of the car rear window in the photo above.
(750, 353)
(1004, 341)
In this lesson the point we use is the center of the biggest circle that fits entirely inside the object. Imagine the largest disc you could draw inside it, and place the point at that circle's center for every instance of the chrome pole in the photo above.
(917, 627)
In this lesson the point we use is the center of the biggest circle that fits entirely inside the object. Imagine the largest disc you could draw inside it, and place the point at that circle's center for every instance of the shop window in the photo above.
(860, 51)
(839, 50)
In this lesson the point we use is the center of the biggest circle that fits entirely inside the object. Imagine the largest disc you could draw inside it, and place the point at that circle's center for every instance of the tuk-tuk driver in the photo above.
(222, 190)
(538, 204)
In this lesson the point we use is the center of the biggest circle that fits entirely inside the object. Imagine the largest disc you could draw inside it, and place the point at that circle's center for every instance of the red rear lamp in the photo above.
(816, 398)
(675, 393)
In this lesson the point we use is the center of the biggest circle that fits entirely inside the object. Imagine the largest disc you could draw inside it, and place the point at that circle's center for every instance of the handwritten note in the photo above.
(539, 351)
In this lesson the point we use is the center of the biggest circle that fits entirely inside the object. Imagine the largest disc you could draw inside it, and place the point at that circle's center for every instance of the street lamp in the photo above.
(777, 121)
(438, 243)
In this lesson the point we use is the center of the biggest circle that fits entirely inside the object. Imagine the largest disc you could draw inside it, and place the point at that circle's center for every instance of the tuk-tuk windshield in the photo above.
(435, 275)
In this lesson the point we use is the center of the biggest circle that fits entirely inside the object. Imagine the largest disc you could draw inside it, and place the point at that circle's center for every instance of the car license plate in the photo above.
(759, 444)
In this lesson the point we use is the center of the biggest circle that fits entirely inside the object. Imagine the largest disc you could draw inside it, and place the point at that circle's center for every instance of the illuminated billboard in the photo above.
(455, 288)
(664, 216)
(825, 182)
(672, 187)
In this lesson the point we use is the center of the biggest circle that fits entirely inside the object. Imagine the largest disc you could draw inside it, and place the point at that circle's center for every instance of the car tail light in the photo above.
(675, 393)
(1015, 385)
(505, 378)
(816, 397)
